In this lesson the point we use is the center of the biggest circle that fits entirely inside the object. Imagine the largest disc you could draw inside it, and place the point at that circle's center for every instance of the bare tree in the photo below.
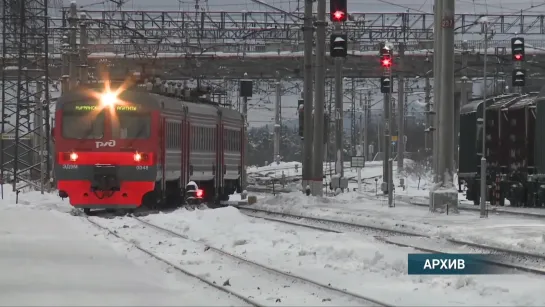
(418, 168)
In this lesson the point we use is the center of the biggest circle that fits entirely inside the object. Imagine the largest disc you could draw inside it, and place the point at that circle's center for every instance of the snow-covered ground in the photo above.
(49, 258)
(54, 258)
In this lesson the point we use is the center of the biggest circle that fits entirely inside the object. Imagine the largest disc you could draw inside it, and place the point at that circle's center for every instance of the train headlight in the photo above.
(73, 156)
(137, 157)
(108, 99)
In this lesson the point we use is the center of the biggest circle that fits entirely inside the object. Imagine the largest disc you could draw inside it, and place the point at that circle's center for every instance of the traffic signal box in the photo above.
(338, 10)
(518, 77)
(338, 46)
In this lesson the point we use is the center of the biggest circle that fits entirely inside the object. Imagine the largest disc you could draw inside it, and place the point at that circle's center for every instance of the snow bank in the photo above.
(502, 231)
(348, 261)
(34, 199)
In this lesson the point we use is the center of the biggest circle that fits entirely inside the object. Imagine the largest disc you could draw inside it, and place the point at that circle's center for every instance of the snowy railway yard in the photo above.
(285, 250)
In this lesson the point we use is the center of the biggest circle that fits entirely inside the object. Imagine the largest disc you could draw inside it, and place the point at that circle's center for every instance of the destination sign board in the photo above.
(89, 108)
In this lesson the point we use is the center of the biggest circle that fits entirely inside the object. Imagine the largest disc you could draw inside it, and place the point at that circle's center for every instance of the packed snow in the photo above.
(49, 258)
(44, 240)
(371, 207)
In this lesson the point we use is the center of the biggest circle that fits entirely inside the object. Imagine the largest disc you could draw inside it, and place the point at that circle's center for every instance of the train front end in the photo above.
(105, 153)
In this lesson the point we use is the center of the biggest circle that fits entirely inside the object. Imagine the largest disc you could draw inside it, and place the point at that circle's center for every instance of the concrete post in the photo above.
(277, 118)
(73, 79)
(318, 154)
(429, 134)
(83, 52)
(437, 82)
(401, 111)
(339, 169)
(447, 197)
(308, 95)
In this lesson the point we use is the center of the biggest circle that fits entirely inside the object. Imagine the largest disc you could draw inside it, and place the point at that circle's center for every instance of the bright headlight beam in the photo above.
(108, 99)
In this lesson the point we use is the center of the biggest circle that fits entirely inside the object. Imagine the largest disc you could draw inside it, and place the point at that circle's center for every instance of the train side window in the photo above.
(174, 134)
(179, 135)
(171, 135)
(199, 137)
(196, 137)
(203, 139)
(230, 146)
(228, 141)
(192, 136)
(212, 139)
(167, 135)
(207, 139)
(213, 143)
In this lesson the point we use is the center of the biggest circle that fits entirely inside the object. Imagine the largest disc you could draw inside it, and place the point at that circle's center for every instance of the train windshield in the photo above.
(82, 125)
(131, 125)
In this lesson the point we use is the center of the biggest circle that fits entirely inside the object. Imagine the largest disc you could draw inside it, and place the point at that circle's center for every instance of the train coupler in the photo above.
(105, 178)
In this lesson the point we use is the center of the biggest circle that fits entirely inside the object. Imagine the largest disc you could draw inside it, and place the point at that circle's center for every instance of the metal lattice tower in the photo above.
(24, 145)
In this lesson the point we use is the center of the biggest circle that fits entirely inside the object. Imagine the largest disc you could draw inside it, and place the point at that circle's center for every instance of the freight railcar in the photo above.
(513, 141)
(136, 147)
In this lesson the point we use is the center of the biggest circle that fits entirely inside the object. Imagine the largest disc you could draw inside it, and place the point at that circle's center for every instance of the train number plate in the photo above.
(69, 166)
(142, 168)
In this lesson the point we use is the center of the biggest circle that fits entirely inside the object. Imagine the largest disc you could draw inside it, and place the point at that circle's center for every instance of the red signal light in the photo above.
(200, 193)
(518, 57)
(386, 62)
(338, 15)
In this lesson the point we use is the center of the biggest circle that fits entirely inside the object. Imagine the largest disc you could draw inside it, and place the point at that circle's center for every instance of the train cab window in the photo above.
(131, 125)
(83, 125)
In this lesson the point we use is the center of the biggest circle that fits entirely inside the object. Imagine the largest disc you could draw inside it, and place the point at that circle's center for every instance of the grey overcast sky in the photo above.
(462, 6)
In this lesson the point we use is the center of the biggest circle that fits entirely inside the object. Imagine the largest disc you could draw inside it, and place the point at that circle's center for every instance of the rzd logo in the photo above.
(106, 144)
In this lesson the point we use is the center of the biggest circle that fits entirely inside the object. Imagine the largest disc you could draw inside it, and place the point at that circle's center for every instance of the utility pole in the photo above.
(83, 67)
(368, 153)
(437, 86)
(308, 96)
(277, 118)
(462, 102)
(318, 154)
(483, 151)
(401, 110)
(339, 167)
(246, 91)
(73, 80)
(428, 131)
(386, 87)
(448, 197)
(65, 57)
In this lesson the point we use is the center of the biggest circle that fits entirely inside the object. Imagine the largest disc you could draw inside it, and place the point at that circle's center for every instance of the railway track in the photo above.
(408, 200)
(279, 189)
(505, 258)
(174, 266)
(288, 285)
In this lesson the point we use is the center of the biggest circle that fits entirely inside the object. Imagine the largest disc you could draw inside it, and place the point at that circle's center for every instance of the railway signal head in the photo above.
(519, 77)
(386, 59)
(385, 85)
(338, 45)
(517, 49)
(338, 10)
